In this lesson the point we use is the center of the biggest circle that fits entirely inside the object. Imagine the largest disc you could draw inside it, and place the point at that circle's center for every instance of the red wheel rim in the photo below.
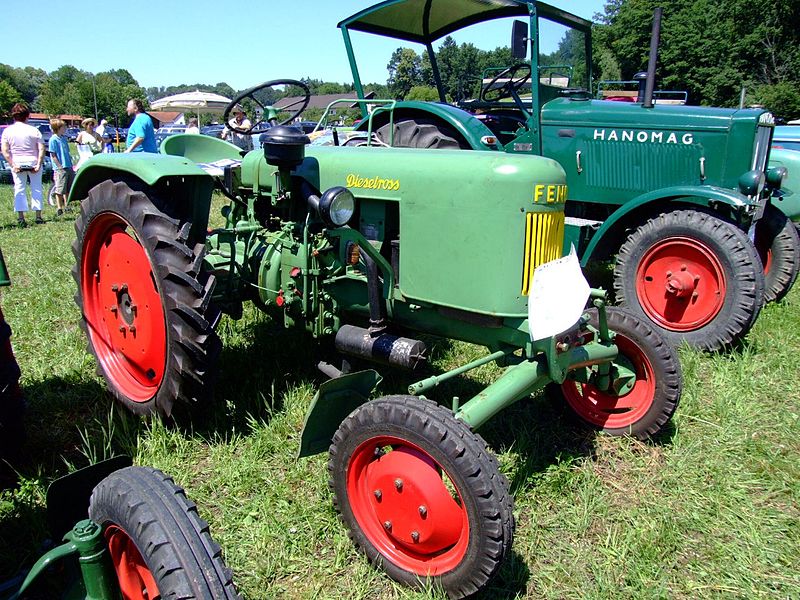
(681, 284)
(407, 506)
(136, 582)
(122, 307)
(607, 410)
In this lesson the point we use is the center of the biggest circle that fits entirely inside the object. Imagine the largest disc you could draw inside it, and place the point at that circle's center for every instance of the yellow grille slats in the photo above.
(544, 240)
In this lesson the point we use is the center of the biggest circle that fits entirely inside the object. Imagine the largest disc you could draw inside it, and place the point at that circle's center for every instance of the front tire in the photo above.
(144, 300)
(693, 276)
(421, 495)
(158, 544)
(778, 246)
(644, 410)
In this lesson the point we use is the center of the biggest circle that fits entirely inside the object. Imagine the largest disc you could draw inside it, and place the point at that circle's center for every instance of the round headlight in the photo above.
(751, 183)
(775, 176)
(336, 206)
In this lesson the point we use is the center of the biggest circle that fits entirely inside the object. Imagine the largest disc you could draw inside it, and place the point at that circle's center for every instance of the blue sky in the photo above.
(242, 42)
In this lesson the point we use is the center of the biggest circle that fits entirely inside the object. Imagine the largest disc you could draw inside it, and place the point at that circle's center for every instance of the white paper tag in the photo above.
(558, 296)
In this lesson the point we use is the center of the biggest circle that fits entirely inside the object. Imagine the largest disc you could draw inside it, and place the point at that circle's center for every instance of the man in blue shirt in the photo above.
(141, 135)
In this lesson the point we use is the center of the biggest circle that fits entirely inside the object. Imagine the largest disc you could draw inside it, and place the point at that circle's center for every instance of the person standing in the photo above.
(101, 129)
(62, 164)
(239, 130)
(193, 128)
(23, 149)
(141, 135)
(88, 141)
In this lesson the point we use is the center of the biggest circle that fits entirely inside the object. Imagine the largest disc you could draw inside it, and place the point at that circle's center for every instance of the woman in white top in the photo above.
(89, 141)
(23, 149)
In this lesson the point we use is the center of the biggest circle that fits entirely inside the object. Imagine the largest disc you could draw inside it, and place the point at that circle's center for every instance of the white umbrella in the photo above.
(196, 101)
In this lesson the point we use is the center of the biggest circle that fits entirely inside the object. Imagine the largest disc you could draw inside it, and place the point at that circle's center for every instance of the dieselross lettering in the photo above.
(643, 137)
(374, 183)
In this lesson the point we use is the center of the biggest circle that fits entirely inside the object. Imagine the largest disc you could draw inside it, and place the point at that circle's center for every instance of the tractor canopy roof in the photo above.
(425, 21)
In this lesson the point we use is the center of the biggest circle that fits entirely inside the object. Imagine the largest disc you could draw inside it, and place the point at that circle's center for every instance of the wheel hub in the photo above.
(123, 308)
(412, 503)
(680, 284)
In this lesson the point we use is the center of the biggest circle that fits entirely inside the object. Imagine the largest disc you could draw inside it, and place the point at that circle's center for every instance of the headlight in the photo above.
(775, 177)
(751, 183)
(336, 206)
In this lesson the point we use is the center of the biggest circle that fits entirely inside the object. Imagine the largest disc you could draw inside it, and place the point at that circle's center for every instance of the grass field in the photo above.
(709, 511)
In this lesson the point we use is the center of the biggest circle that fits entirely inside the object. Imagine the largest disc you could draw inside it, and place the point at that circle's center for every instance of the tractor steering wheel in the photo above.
(267, 111)
(515, 80)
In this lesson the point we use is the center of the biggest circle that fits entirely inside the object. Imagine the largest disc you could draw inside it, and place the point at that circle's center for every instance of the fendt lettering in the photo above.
(551, 194)
(643, 137)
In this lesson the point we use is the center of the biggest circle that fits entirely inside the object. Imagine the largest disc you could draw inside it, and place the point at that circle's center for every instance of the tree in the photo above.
(8, 97)
(426, 93)
(404, 72)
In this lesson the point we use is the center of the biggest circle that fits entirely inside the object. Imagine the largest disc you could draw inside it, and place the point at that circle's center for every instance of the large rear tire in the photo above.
(778, 246)
(144, 299)
(644, 409)
(419, 133)
(158, 544)
(421, 495)
(693, 276)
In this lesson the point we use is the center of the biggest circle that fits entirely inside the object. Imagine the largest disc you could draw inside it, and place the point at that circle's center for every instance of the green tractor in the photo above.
(671, 192)
(362, 250)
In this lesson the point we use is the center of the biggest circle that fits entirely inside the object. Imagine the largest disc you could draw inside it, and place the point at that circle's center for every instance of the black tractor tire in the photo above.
(778, 246)
(420, 133)
(648, 407)
(145, 301)
(693, 276)
(421, 446)
(143, 513)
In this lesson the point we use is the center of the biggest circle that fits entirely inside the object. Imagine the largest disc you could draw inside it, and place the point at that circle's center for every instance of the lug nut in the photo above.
(378, 495)
(398, 484)
(122, 328)
(415, 536)
(114, 287)
(683, 267)
(132, 328)
(387, 525)
(113, 309)
(124, 287)
(423, 511)
(669, 273)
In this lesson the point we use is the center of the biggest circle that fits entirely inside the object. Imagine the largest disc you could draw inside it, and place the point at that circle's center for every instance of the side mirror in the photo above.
(519, 39)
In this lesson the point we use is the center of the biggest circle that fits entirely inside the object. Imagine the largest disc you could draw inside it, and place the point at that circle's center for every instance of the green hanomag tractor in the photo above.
(365, 248)
(673, 192)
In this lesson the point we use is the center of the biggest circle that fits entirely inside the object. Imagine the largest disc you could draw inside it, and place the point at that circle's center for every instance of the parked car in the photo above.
(787, 137)
(5, 170)
(214, 130)
(46, 132)
(168, 130)
(72, 133)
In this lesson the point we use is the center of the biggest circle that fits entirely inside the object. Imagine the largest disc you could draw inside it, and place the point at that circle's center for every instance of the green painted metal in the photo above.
(87, 543)
(675, 197)
(465, 124)
(5, 278)
(199, 148)
(334, 400)
(789, 199)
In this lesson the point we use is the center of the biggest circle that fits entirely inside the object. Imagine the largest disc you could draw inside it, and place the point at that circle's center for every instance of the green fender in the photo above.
(465, 124)
(701, 195)
(335, 399)
(788, 200)
(183, 187)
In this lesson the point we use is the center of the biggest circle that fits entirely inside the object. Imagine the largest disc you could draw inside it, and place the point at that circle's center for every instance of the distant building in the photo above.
(70, 120)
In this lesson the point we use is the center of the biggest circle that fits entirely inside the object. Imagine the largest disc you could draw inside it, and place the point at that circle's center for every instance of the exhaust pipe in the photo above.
(384, 348)
(655, 39)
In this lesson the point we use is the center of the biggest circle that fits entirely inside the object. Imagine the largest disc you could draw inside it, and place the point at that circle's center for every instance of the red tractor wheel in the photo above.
(778, 246)
(159, 546)
(645, 406)
(421, 495)
(144, 300)
(693, 276)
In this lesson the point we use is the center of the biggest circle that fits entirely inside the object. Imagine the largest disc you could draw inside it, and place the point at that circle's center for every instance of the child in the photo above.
(62, 164)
